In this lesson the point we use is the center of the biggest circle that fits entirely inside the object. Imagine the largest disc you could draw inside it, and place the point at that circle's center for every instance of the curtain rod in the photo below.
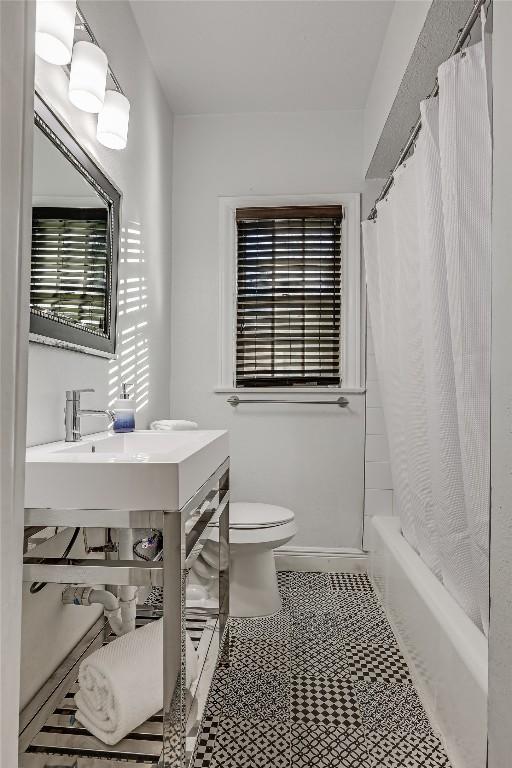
(461, 39)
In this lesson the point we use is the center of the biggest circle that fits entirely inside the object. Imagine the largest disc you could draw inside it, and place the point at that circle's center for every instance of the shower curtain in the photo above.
(428, 265)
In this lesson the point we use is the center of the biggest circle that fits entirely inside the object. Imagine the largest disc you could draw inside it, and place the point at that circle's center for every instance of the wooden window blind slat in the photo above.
(69, 264)
(309, 213)
(289, 301)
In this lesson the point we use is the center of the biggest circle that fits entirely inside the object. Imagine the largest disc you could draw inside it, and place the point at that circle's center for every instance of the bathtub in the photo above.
(446, 653)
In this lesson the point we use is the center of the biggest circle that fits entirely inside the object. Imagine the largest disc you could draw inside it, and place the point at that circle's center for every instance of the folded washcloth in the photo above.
(121, 684)
(166, 425)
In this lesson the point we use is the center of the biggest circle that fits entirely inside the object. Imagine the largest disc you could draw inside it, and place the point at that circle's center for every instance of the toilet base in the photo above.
(253, 587)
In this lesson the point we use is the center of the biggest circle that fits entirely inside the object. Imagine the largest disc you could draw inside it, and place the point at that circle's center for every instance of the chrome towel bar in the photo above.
(341, 402)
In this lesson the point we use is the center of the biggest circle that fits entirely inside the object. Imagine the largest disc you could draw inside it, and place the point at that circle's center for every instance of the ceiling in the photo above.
(217, 56)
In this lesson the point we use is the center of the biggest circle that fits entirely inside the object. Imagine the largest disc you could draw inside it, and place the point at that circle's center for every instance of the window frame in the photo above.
(351, 287)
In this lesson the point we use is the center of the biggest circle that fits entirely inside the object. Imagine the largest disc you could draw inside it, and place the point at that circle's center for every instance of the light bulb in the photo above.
(112, 130)
(88, 76)
(55, 29)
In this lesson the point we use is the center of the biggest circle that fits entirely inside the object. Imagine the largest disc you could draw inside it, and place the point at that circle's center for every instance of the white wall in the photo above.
(500, 632)
(404, 26)
(309, 459)
(143, 172)
(378, 484)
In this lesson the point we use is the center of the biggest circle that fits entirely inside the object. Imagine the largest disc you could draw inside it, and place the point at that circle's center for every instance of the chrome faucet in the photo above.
(73, 414)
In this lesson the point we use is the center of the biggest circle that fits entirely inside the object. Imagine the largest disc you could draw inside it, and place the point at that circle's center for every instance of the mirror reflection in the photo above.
(70, 254)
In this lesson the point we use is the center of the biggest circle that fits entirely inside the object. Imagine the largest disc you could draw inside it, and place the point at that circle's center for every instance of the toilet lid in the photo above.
(243, 514)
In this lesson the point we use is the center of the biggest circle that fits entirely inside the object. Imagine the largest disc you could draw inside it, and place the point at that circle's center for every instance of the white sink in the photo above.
(138, 470)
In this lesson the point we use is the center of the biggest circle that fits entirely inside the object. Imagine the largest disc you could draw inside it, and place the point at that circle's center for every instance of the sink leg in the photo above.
(174, 643)
(224, 557)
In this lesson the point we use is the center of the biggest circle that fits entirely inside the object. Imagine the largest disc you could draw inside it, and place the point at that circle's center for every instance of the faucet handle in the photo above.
(74, 394)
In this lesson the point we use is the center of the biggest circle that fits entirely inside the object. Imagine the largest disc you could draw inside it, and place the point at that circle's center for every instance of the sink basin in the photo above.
(140, 470)
(139, 445)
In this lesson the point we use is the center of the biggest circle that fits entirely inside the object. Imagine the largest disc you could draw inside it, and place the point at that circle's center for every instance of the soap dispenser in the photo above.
(124, 412)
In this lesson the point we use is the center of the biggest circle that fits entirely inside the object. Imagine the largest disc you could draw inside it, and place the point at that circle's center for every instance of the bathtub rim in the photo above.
(469, 641)
(464, 733)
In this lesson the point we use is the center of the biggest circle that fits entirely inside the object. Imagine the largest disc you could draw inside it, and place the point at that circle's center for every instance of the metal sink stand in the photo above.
(48, 736)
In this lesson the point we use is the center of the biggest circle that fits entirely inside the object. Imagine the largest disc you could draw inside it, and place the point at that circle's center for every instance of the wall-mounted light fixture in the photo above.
(88, 76)
(56, 21)
(55, 28)
(112, 130)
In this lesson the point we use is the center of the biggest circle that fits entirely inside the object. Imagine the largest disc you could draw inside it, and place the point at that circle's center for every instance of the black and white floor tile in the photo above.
(308, 581)
(275, 627)
(395, 749)
(251, 743)
(358, 582)
(392, 707)
(324, 701)
(321, 683)
(316, 647)
(260, 655)
(207, 737)
(375, 663)
(218, 691)
(312, 602)
(257, 695)
(313, 745)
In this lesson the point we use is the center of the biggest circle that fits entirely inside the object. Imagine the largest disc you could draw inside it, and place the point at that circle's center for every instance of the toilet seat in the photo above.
(245, 515)
(257, 523)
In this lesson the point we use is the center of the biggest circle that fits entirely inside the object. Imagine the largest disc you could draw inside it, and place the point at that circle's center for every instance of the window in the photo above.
(288, 296)
(69, 265)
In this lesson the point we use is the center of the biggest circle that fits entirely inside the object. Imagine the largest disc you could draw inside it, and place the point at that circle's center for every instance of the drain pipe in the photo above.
(127, 594)
(120, 611)
(89, 596)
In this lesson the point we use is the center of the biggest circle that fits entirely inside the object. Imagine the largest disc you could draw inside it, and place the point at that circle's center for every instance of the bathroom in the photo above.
(317, 526)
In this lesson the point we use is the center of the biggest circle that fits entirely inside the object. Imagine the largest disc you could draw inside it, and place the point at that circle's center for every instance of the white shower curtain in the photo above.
(428, 259)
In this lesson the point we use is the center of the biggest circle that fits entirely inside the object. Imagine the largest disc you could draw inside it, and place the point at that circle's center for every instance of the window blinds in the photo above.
(69, 265)
(288, 296)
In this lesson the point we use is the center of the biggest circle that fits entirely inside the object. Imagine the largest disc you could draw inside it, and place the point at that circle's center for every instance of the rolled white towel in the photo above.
(168, 425)
(121, 684)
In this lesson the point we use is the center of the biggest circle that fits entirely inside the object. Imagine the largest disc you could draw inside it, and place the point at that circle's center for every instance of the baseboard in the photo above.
(321, 560)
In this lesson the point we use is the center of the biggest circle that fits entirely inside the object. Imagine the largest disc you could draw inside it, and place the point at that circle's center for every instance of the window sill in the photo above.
(291, 390)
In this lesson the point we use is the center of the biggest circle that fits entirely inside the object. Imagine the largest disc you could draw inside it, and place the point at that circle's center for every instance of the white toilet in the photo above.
(255, 530)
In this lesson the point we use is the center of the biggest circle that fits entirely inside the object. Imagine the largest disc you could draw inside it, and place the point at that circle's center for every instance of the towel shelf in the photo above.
(59, 740)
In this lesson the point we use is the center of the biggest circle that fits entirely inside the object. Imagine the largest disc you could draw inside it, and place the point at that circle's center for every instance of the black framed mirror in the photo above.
(75, 243)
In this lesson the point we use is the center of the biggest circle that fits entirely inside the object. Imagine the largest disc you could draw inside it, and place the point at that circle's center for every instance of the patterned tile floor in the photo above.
(322, 683)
